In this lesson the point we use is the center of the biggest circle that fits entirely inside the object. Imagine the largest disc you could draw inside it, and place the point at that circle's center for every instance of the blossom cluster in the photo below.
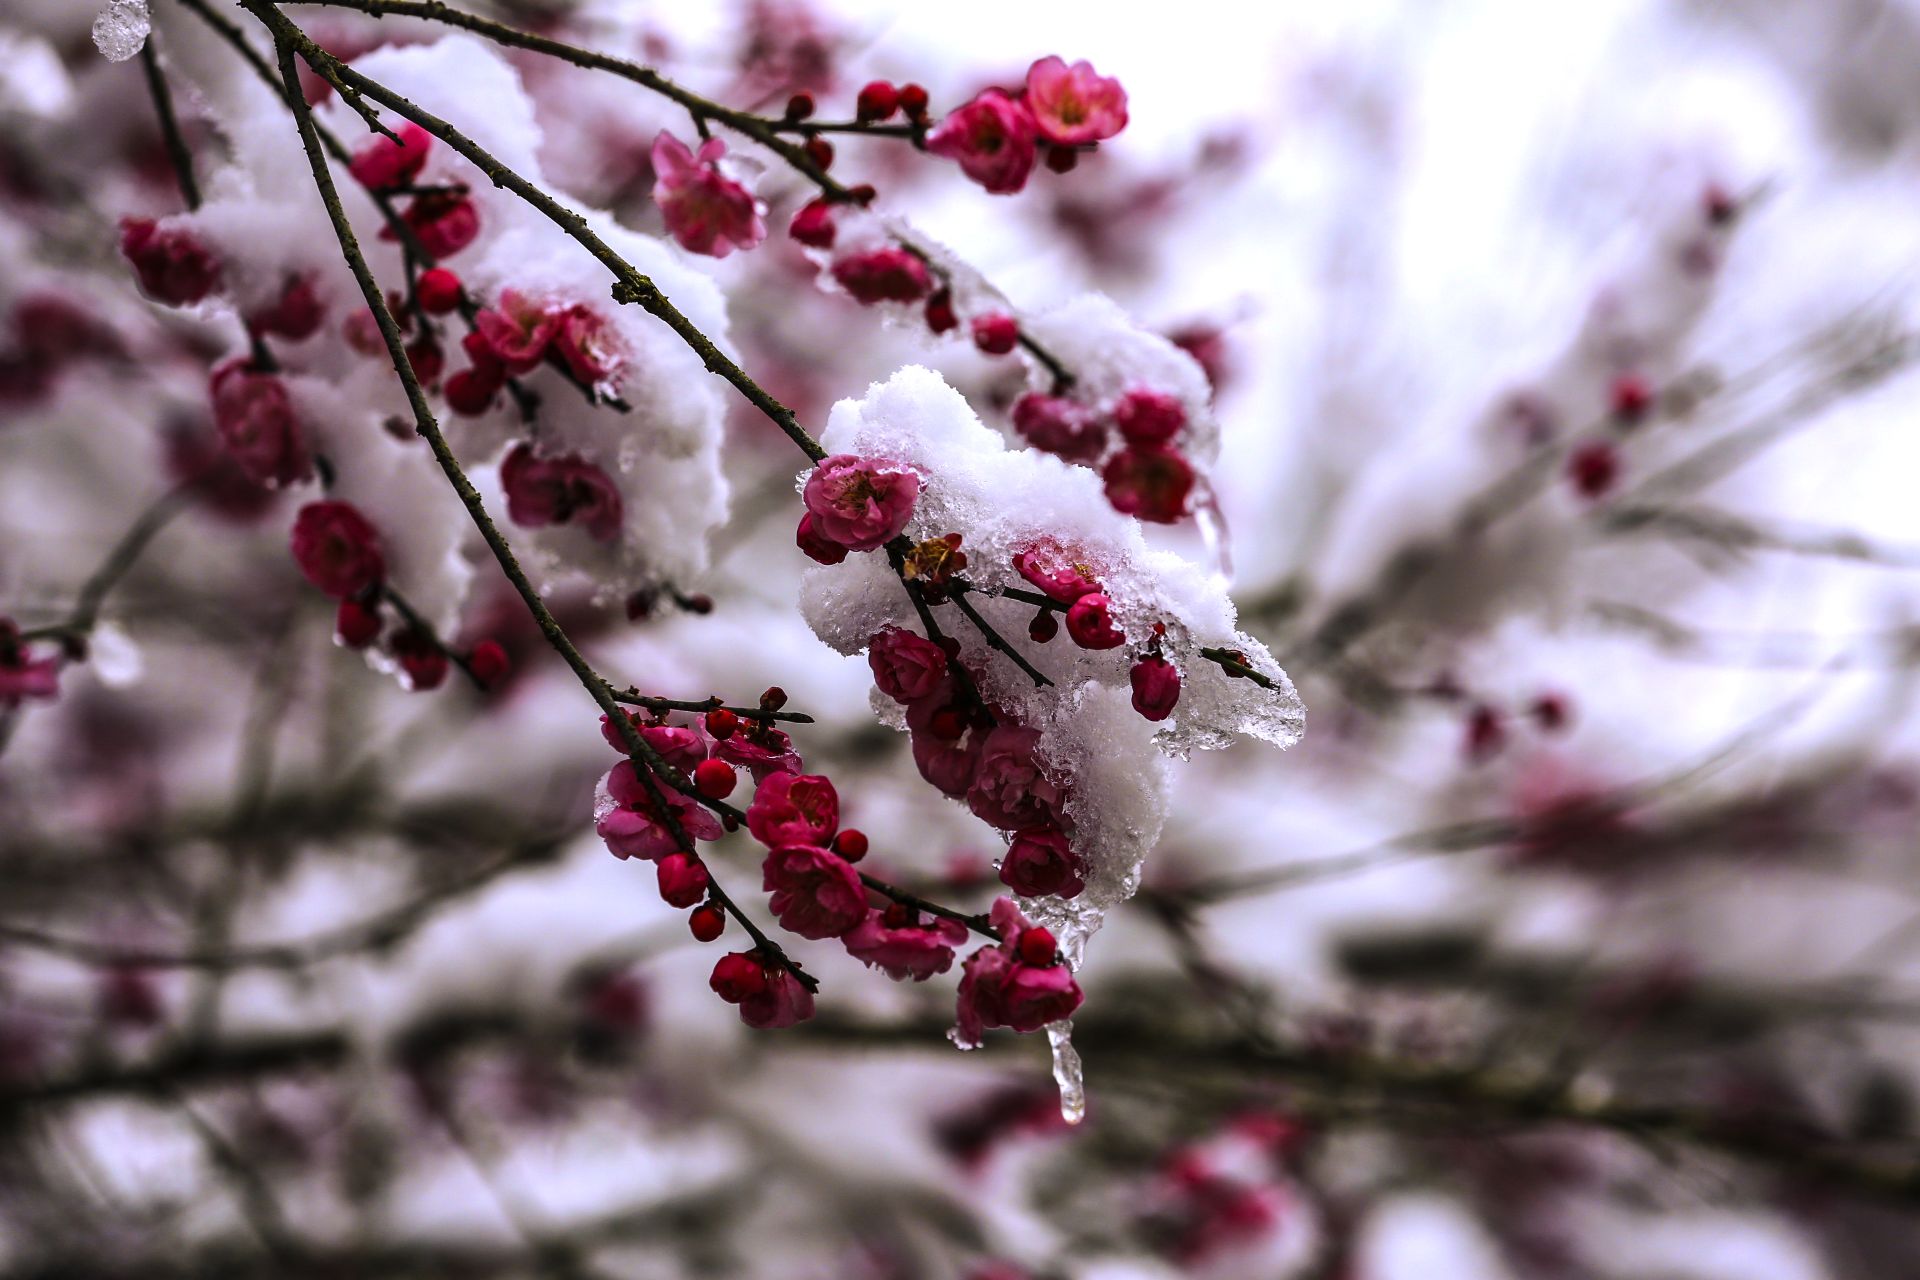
(808, 873)
(1070, 771)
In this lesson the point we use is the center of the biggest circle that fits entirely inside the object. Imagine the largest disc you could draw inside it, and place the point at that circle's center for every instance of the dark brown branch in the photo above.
(176, 145)
(288, 38)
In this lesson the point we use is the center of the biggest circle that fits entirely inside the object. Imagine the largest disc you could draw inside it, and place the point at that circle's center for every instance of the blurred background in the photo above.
(1563, 359)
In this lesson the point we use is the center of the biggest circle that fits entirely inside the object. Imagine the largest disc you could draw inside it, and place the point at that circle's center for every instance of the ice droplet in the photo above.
(121, 29)
(114, 657)
(1066, 1072)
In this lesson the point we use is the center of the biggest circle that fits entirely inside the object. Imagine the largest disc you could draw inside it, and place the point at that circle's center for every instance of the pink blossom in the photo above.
(999, 989)
(592, 348)
(173, 265)
(906, 950)
(816, 893)
(1039, 862)
(945, 742)
(1055, 570)
(794, 808)
(883, 275)
(783, 1003)
(906, 667)
(423, 662)
(768, 995)
(683, 880)
(255, 419)
(337, 548)
(817, 548)
(1156, 687)
(761, 750)
(682, 748)
(1149, 417)
(1150, 482)
(635, 827)
(813, 224)
(860, 503)
(992, 138)
(518, 331)
(1057, 425)
(384, 163)
(1593, 469)
(1010, 789)
(1090, 623)
(995, 333)
(564, 490)
(294, 315)
(1073, 105)
(706, 211)
(21, 674)
(444, 223)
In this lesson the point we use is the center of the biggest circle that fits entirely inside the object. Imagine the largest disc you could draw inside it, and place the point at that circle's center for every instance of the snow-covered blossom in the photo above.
(1152, 482)
(1073, 106)
(1039, 862)
(172, 263)
(706, 211)
(1148, 417)
(1156, 687)
(1061, 426)
(296, 313)
(517, 330)
(1011, 788)
(992, 139)
(906, 667)
(563, 490)
(590, 346)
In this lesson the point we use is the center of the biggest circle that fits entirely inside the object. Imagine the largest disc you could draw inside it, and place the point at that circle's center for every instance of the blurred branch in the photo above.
(177, 150)
(75, 629)
(1727, 531)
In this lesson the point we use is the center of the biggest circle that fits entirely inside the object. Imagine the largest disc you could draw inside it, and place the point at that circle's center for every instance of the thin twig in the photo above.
(169, 126)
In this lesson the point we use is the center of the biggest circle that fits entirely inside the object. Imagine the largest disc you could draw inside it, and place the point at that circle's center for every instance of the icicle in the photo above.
(1067, 1073)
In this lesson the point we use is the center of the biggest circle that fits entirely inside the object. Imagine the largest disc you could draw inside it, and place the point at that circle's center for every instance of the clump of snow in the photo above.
(1002, 501)
(1109, 354)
